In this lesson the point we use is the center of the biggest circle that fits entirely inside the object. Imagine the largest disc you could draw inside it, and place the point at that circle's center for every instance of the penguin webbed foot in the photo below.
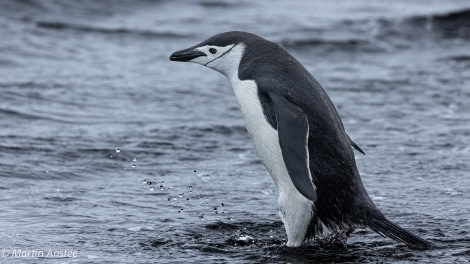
(293, 244)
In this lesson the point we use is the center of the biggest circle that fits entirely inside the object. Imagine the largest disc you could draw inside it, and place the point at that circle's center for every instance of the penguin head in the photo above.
(222, 52)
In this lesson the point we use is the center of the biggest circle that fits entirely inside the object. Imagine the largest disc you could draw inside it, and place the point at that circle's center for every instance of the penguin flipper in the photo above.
(293, 130)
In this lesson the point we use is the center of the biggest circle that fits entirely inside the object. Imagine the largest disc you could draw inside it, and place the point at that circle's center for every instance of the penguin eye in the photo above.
(212, 50)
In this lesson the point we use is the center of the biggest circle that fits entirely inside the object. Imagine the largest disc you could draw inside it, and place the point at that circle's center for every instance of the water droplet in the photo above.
(215, 208)
(151, 188)
(161, 187)
(118, 150)
(135, 159)
(190, 188)
(222, 204)
(195, 171)
(187, 199)
(111, 156)
(169, 199)
(181, 195)
(133, 165)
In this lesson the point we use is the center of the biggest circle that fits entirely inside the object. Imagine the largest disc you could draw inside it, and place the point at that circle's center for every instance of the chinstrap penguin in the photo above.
(299, 136)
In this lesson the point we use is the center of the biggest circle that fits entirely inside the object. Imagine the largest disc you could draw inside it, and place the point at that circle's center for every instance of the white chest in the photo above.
(265, 137)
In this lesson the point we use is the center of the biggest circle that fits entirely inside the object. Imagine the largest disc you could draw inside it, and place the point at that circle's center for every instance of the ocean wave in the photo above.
(457, 58)
(108, 31)
(29, 9)
(8, 63)
(209, 129)
(382, 34)
(30, 85)
(218, 4)
(332, 44)
(56, 117)
(449, 25)
(456, 16)
(461, 17)
(7, 113)
(221, 129)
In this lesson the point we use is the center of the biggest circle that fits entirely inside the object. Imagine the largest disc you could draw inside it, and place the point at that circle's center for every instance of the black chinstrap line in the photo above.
(221, 55)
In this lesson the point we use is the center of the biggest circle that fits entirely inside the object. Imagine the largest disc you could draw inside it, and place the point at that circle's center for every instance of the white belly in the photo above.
(295, 210)
(264, 136)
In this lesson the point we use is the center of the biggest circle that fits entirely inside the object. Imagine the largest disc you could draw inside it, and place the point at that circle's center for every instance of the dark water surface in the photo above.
(110, 150)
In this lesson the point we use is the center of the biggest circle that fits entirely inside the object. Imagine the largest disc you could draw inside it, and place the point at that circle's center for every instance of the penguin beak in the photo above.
(186, 55)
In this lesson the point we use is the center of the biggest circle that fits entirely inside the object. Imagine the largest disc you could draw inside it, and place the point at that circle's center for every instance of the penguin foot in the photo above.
(293, 244)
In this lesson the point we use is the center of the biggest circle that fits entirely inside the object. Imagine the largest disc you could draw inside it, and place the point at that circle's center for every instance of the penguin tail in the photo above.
(384, 227)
